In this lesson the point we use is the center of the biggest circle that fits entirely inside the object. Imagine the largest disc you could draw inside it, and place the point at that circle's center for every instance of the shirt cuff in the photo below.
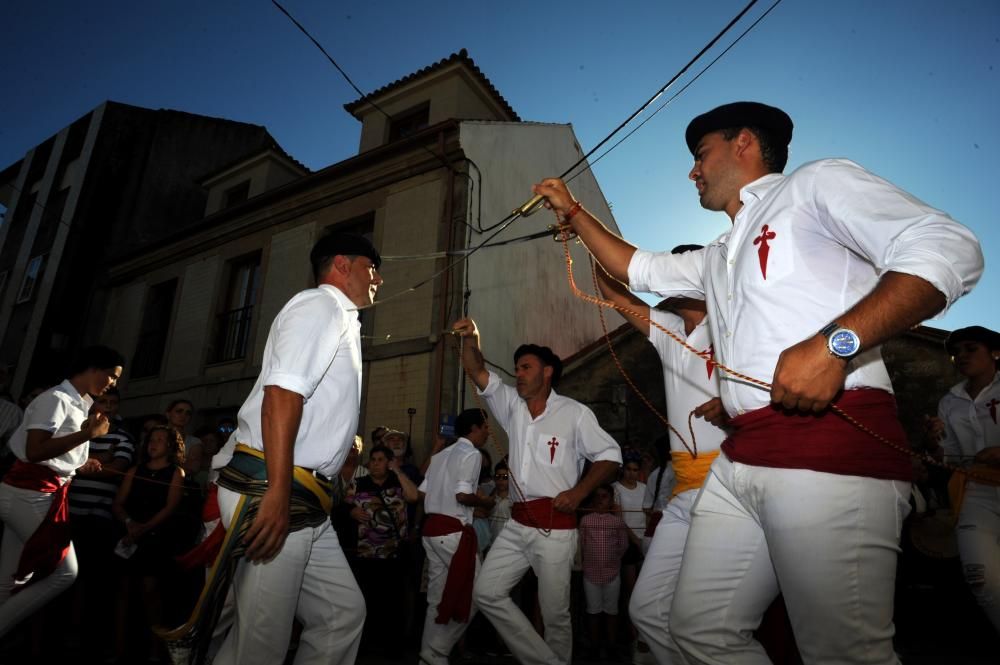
(638, 268)
(292, 382)
(464, 488)
(491, 386)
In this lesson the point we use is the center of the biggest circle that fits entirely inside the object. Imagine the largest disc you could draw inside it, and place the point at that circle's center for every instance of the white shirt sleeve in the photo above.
(667, 274)
(468, 475)
(500, 398)
(305, 340)
(596, 444)
(894, 230)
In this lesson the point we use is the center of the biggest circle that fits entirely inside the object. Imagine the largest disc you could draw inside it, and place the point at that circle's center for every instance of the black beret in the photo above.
(972, 334)
(740, 114)
(344, 244)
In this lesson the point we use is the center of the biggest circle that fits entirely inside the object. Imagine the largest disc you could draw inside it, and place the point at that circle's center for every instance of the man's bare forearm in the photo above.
(281, 414)
(897, 303)
(600, 473)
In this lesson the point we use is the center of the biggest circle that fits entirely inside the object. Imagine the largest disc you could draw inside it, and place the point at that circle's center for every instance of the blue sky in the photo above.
(907, 88)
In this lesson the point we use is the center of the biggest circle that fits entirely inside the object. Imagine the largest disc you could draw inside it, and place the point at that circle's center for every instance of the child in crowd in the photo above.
(148, 497)
(603, 541)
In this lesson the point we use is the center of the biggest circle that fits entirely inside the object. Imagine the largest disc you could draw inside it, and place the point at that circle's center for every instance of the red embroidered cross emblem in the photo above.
(552, 449)
(710, 360)
(992, 406)
(764, 248)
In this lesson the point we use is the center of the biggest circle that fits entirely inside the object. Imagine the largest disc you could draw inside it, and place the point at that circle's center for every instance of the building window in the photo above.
(409, 122)
(236, 194)
(153, 331)
(233, 324)
(32, 275)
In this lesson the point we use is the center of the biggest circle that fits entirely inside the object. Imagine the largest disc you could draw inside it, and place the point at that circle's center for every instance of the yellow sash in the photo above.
(691, 471)
(302, 476)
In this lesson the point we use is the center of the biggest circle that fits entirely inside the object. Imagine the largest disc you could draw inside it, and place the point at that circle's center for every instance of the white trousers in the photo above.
(828, 541)
(978, 534)
(439, 639)
(517, 548)
(653, 594)
(310, 580)
(22, 511)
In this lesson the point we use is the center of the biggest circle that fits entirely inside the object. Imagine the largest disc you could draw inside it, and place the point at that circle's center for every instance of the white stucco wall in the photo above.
(520, 292)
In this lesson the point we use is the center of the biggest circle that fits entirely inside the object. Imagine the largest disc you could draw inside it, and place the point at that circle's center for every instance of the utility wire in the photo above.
(512, 217)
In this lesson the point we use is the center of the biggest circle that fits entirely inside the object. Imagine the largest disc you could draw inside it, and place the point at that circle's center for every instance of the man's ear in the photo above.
(547, 372)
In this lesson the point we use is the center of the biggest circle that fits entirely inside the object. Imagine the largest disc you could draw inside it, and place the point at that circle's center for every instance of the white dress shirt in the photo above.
(60, 410)
(547, 453)
(689, 380)
(832, 230)
(970, 424)
(454, 470)
(313, 349)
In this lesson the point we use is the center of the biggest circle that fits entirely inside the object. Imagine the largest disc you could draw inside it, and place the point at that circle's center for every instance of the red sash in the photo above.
(456, 600)
(49, 544)
(540, 514)
(774, 437)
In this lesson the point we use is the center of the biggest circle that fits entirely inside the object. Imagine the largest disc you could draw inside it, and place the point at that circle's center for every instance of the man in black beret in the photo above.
(819, 268)
(296, 429)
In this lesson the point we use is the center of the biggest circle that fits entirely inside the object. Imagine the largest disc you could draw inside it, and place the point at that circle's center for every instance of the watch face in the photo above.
(844, 343)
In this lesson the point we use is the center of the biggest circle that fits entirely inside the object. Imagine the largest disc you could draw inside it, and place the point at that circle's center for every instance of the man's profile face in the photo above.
(363, 281)
(532, 376)
(714, 172)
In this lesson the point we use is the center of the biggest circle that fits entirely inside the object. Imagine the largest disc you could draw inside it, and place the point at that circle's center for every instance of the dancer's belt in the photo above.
(245, 474)
(49, 543)
(540, 514)
(456, 600)
(958, 485)
(691, 471)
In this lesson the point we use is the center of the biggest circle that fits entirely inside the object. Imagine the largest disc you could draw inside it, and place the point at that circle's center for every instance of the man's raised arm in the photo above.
(610, 250)
(472, 357)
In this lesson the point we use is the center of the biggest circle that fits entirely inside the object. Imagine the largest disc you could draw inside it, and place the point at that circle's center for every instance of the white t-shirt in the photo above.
(454, 470)
(313, 349)
(630, 501)
(547, 453)
(60, 410)
(803, 249)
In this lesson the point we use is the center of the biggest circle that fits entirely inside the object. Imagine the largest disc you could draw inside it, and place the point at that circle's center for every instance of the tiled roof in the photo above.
(460, 57)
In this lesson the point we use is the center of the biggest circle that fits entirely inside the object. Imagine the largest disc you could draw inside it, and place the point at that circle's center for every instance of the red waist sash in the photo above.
(774, 437)
(49, 544)
(456, 600)
(540, 514)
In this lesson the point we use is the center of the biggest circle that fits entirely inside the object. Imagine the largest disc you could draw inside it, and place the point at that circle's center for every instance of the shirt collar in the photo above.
(959, 388)
(340, 296)
(759, 188)
(85, 401)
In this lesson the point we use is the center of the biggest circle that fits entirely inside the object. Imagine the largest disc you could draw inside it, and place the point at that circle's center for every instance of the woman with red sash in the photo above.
(37, 560)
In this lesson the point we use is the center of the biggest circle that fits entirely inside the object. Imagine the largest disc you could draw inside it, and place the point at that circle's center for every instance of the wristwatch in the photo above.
(841, 342)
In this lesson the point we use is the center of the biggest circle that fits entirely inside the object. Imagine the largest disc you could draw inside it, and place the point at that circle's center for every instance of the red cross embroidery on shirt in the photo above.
(992, 405)
(764, 248)
(710, 360)
(552, 449)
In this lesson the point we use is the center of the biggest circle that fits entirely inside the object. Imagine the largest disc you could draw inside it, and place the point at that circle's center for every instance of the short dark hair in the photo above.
(546, 355)
(467, 420)
(182, 400)
(95, 357)
(773, 152)
(112, 392)
(340, 244)
(385, 450)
